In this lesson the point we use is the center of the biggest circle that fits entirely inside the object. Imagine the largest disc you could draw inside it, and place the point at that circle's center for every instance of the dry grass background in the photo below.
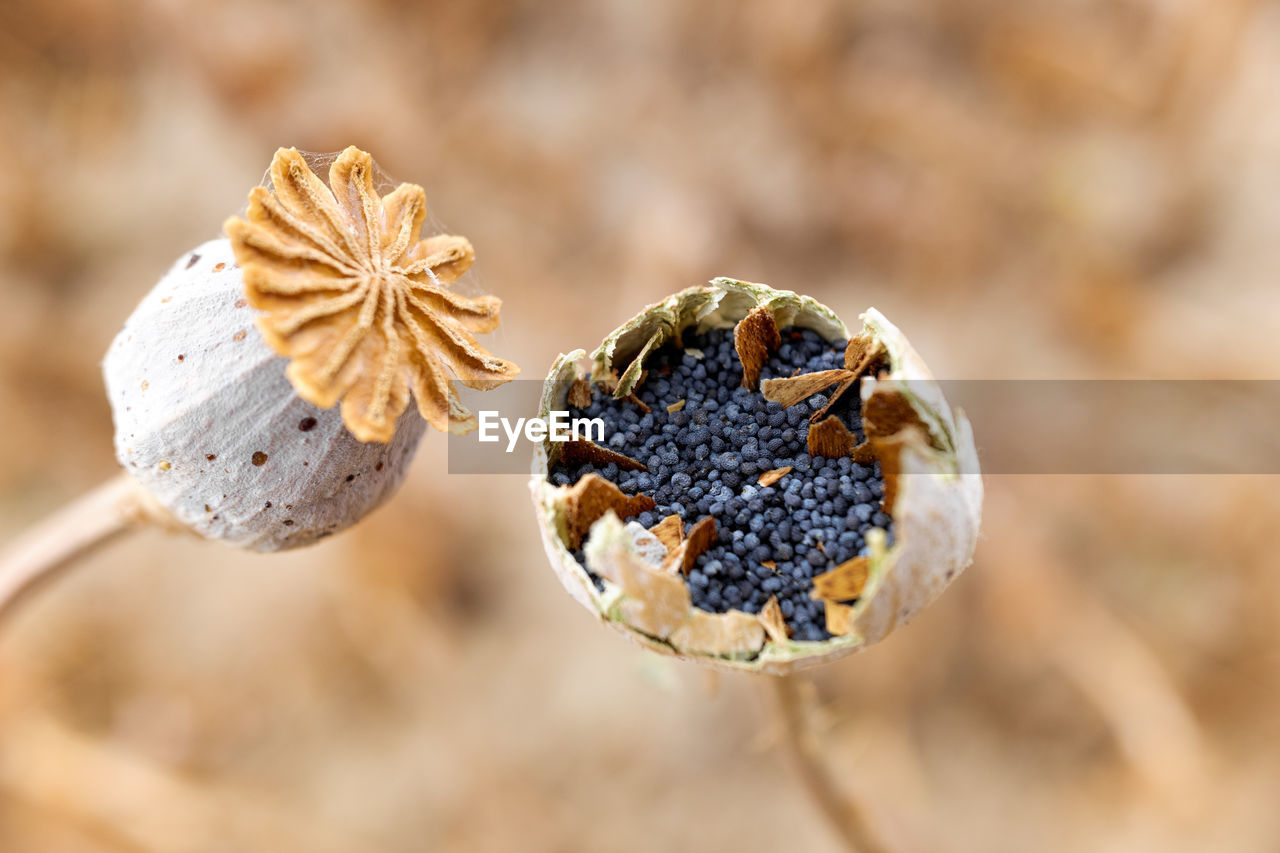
(1066, 189)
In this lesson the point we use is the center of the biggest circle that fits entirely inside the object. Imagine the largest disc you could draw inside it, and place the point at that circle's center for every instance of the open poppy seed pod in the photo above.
(208, 423)
(648, 580)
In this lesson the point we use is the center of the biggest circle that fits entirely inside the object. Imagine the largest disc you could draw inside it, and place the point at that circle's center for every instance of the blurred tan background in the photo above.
(1054, 189)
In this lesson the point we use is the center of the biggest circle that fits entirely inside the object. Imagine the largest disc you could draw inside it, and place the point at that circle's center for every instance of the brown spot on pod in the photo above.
(259, 458)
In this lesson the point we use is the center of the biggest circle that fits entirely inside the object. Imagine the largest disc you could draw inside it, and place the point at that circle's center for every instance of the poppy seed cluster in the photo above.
(705, 458)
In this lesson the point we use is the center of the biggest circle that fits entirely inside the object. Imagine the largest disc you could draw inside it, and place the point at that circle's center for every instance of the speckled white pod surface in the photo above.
(208, 423)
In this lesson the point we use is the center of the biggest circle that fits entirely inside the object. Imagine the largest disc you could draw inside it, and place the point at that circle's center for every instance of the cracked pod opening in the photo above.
(770, 491)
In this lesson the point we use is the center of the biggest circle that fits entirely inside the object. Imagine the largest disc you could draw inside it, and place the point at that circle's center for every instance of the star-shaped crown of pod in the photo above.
(358, 302)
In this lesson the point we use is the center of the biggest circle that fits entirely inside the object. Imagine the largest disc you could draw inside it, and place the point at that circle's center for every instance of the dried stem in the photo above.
(845, 814)
(117, 506)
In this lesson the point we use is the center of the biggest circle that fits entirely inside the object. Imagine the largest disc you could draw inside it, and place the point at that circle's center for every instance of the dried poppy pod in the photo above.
(261, 392)
(769, 493)
(207, 422)
(224, 383)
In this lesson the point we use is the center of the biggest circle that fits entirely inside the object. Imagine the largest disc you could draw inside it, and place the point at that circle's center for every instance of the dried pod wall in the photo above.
(770, 491)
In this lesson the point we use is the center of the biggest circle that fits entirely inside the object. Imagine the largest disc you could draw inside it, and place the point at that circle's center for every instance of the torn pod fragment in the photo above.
(798, 495)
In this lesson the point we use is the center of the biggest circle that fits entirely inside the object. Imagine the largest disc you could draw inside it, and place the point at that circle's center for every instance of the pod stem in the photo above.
(845, 815)
(116, 507)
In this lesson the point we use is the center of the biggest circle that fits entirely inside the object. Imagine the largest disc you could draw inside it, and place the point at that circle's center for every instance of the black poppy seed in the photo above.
(704, 460)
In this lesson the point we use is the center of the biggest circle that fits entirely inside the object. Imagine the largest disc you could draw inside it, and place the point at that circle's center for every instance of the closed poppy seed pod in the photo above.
(207, 421)
(881, 497)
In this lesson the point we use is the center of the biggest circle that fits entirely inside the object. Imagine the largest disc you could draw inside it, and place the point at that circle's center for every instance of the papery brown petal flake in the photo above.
(755, 338)
(670, 532)
(590, 498)
(699, 538)
(839, 618)
(768, 478)
(772, 620)
(861, 353)
(791, 390)
(577, 451)
(831, 438)
(843, 583)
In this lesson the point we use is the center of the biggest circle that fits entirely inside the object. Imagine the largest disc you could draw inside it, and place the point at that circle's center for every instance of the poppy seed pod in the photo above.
(208, 423)
(769, 492)
(226, 381)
